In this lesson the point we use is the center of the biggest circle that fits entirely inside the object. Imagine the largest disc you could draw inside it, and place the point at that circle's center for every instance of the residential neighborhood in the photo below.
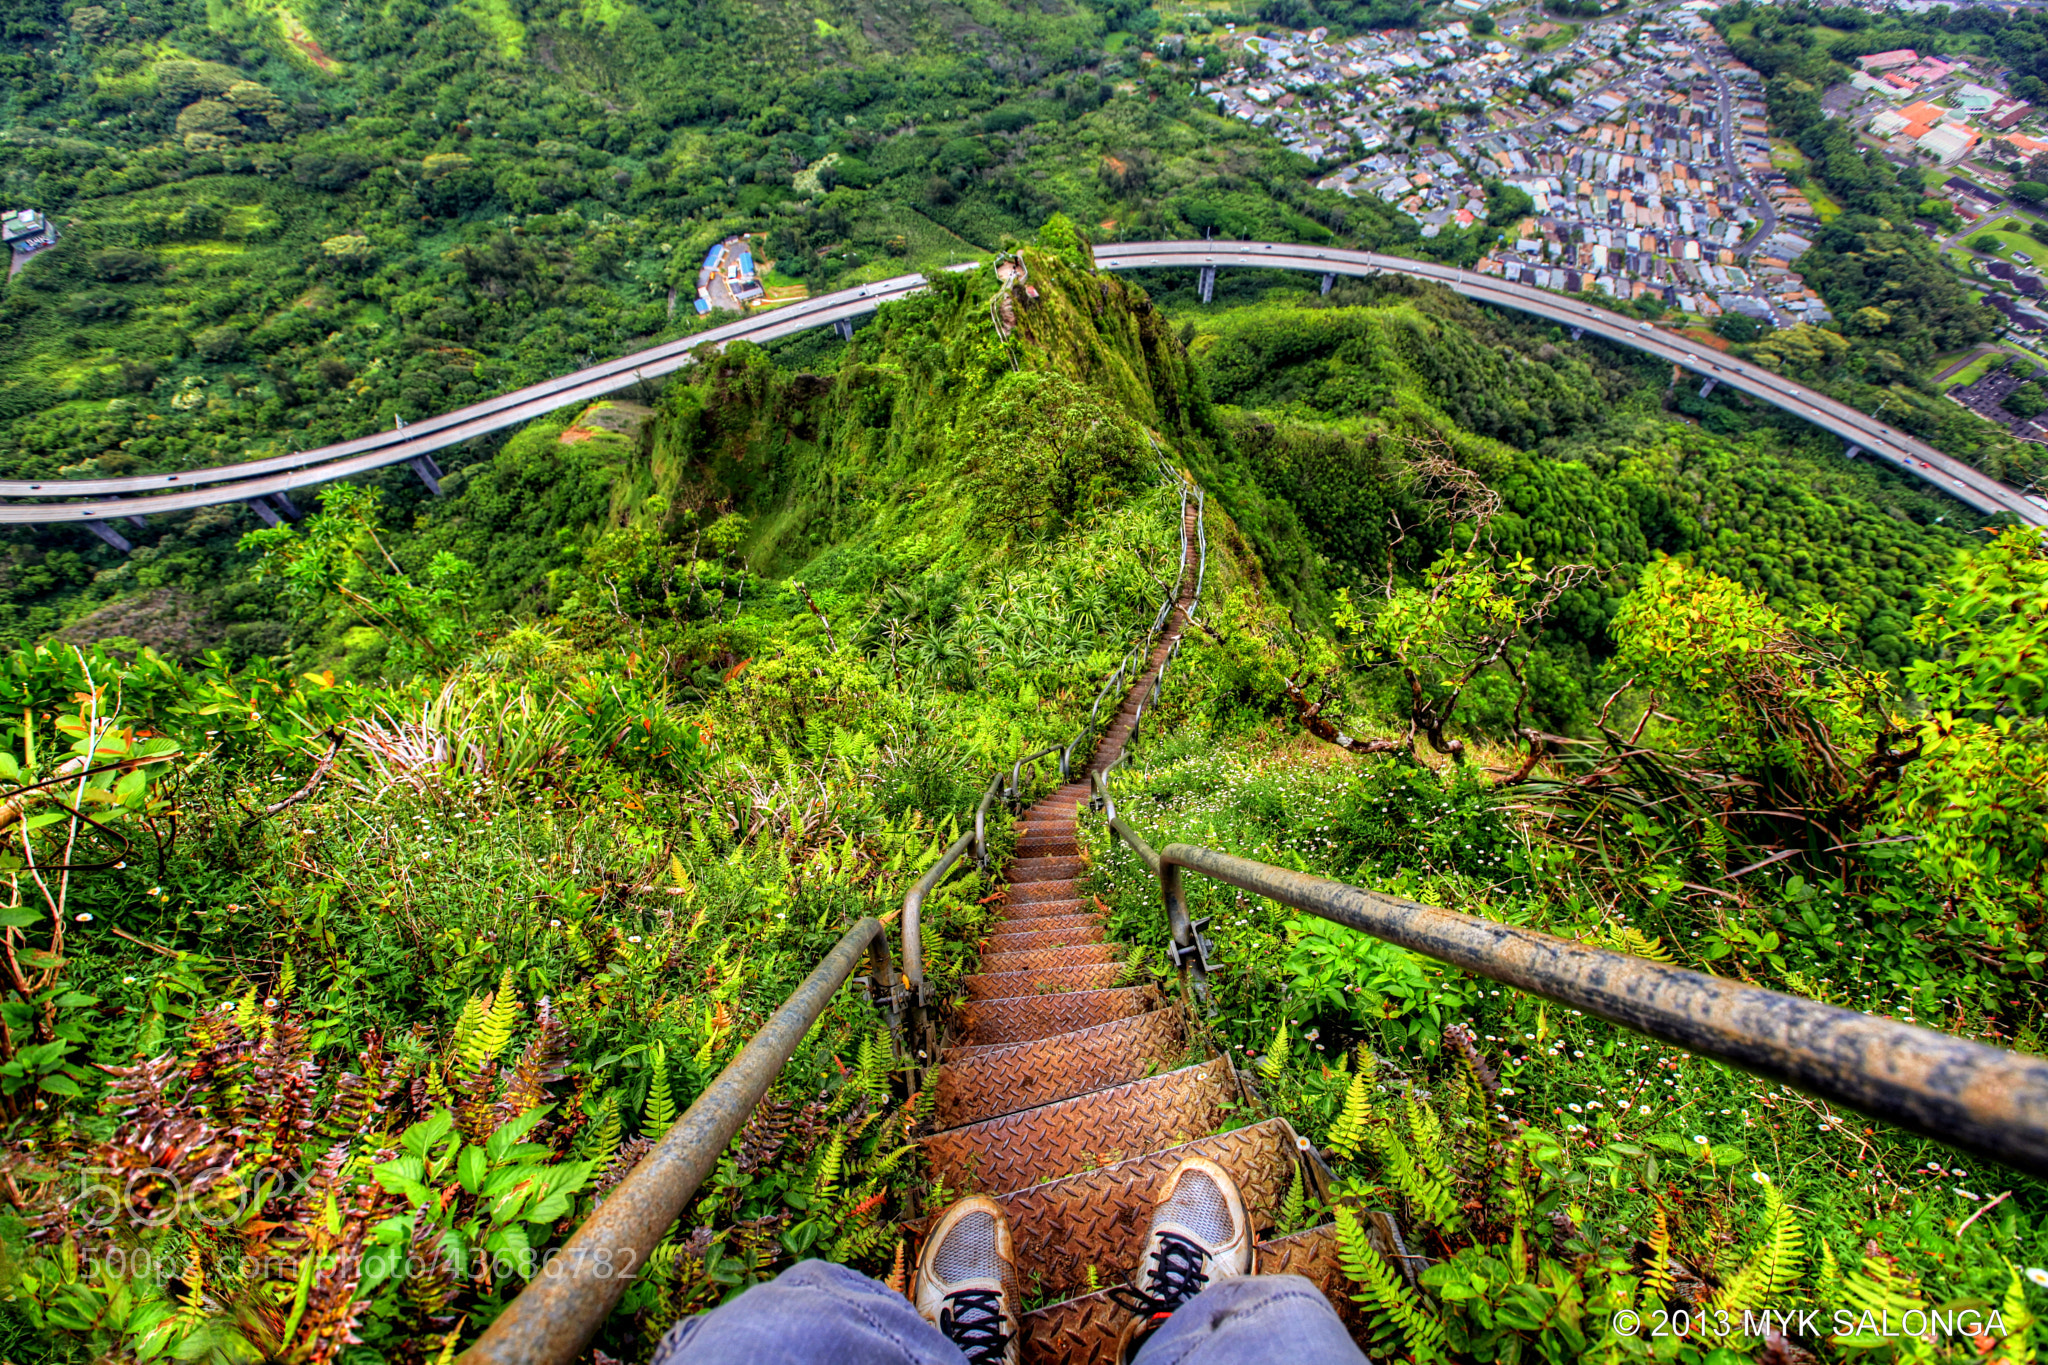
(1640, 141)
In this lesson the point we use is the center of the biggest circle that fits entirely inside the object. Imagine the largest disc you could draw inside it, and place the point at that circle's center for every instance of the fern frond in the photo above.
(1275, 1061)
(601, 1139)
(1830, 1276)
(660, 1110)
(1426, 1131)
(1396, 1313)
(494, 1031)
(1292, 1203)
(1348, 1133)
(877, 1060)
(248, 1011)
(827, 1182)
(1639, 944)
(899, 1276)
(1657, 1277)
(287, 978)
(2017, 1347)
(1430, 1198)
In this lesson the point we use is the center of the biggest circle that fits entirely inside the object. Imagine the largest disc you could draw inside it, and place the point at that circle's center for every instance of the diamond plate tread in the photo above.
(1099, 1218)
(995, 960)
(1019, 1150)
(1022, 1018)
(1044, 981)
(1039, 909)
(1050, 868)
(1039, 844)
(1087, 1331)
(1043, 931)
(989, 1082)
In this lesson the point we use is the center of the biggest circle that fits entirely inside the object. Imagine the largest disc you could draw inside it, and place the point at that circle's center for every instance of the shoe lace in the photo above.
(1180, 1270)
(973, 1320)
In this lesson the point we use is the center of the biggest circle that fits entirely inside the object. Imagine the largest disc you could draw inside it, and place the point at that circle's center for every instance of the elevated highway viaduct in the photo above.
(266, 484)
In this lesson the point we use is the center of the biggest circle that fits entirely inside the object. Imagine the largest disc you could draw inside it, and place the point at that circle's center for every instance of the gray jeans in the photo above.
(818, 1313)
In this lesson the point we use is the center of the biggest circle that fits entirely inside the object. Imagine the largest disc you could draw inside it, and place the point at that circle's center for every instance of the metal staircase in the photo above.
(1069, 1096)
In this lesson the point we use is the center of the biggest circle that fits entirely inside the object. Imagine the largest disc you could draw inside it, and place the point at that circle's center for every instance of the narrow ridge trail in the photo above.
(1068, 1095)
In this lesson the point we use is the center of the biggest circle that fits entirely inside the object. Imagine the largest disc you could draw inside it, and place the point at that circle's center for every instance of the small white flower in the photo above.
(632, 938)
(127, 980)
(1759, 1177)
(85, 917)
(1700, 1140)
(2038, 1276)
(1575, 1109)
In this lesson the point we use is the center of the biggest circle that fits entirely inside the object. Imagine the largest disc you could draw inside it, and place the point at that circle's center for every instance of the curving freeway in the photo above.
(141, 495)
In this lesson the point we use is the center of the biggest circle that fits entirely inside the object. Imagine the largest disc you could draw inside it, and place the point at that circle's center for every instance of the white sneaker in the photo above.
(966, 1282)
(1200, 1234)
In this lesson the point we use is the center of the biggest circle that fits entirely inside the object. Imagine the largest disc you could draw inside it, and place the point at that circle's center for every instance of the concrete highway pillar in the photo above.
(1208, 283)
(429, 472)
(1578, 332)
(109, 535)
(1708, 387)
(845, 329)
(1852, 452)
(1329, 281)
(284, 505)
(265, 513)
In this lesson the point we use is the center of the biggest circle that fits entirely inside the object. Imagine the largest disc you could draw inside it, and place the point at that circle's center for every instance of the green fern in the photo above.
(660, 1110)
(1879, 1291)
(2017, 1347)
(1773, 1267)
(1348, 1134)
(826, 1183)
(601, 1139)
(1638, 944)
(877, 1060)
(494, 1018)
(1426, 1131)
(1830, 1277)
(1275, 1061)
(247, 1011)
(1293, 1203)
(1430, 1197)
(287, 978)
(1397, 1314)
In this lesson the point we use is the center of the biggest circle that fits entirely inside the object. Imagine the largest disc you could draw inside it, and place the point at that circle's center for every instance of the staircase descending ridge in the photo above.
(1068, 1094)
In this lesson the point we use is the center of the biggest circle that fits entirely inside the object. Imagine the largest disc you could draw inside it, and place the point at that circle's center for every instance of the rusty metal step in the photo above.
(1022, 1018)
(1033, 910)
(1046, 867)
(995, 960)
(1086, 1331)
(989, 1082)
(1014, 1152)
(1032, 893)
(1032, 842)
(1098, 1219)
(1043, 931)
(1043, 981)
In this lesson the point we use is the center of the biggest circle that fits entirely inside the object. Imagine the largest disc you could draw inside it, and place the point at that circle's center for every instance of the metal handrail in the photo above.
(561, 1308)
(1985, 1100)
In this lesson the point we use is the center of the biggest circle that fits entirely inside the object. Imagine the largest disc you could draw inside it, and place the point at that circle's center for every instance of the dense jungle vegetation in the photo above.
(342, 976)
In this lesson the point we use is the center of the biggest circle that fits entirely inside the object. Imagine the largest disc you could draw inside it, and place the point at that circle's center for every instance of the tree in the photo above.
(1738, 327)
(1978, 800)
(2033, 191)
(2027, 400)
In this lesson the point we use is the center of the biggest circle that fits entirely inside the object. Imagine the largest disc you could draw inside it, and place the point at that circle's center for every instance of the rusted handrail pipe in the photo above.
(1982, 1099)
(561, 1308)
